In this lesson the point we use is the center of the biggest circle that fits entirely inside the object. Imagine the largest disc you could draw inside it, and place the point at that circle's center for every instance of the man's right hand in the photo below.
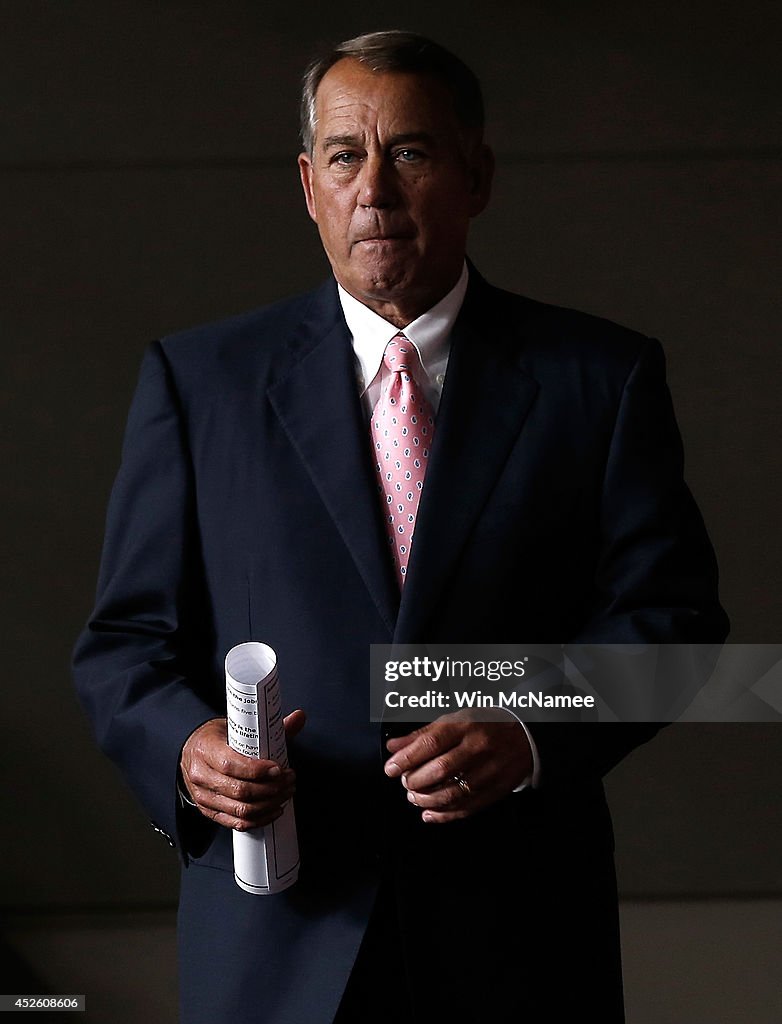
(233, 790)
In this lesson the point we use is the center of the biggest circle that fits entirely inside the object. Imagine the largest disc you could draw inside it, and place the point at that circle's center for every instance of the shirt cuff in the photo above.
(184, 796)
(533, 779)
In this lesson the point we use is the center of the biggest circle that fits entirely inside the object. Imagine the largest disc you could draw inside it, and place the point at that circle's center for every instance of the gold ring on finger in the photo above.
(462, 783)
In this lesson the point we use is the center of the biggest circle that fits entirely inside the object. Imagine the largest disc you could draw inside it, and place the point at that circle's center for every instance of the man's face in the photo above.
(392, 186)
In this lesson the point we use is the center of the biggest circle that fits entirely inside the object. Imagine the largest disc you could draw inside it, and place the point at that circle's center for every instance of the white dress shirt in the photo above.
(429, 333)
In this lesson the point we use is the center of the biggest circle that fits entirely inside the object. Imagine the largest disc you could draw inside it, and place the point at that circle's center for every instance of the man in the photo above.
(465, 872)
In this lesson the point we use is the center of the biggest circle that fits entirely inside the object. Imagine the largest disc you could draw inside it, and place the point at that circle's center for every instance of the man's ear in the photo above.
(305, 172)
(481, 177)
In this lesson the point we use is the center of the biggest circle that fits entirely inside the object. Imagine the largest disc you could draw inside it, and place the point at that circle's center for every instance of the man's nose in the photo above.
(377, 186)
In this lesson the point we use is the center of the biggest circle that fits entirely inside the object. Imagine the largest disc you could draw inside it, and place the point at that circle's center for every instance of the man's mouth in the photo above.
(384, 238)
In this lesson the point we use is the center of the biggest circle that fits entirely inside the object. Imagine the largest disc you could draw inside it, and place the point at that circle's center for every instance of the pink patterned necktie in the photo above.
(402, 428)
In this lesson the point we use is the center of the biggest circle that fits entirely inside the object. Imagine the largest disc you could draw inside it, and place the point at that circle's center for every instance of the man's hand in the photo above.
(453, 767)
(233, 790)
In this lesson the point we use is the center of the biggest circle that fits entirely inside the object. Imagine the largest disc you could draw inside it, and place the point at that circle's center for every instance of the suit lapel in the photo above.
(484, 404)
(316, 399)
(485, 401)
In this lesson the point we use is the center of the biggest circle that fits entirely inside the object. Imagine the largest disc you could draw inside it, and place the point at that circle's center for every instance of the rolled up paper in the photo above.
(266, 859)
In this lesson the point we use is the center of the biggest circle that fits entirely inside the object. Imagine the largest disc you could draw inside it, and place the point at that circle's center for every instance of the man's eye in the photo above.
(344, 158)
(408, 156)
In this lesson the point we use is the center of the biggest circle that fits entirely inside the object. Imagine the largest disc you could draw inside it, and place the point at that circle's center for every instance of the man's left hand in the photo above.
(453, 767)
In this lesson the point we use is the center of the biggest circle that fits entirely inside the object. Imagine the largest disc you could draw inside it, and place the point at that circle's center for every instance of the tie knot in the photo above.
(398, 354)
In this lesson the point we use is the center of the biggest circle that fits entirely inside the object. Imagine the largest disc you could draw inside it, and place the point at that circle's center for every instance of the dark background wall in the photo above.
(148, 182)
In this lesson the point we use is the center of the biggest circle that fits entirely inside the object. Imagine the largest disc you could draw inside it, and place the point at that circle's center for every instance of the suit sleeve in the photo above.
(656, 577)
(137, 666)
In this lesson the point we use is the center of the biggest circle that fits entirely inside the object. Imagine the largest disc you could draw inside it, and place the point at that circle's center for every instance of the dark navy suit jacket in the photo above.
(554, 510)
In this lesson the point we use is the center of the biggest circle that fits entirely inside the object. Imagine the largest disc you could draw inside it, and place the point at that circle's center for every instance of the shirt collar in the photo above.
(430, 332)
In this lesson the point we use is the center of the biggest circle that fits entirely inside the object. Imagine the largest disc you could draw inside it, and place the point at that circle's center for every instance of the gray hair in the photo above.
(398, 51)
